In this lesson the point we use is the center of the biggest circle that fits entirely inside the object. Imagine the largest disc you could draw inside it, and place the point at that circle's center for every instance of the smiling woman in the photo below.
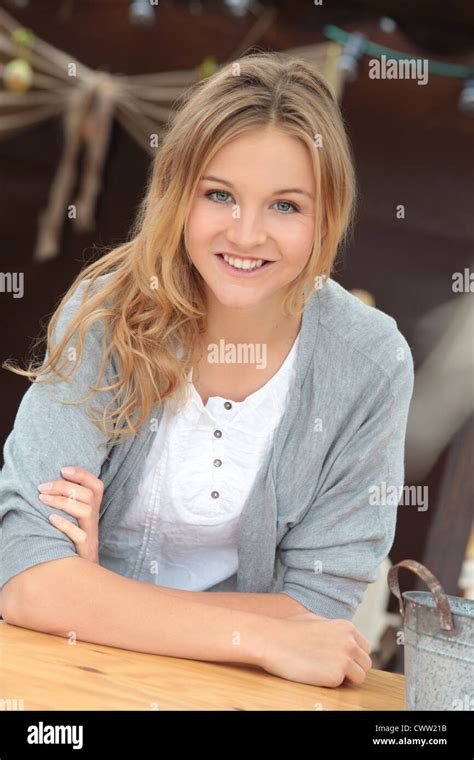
(269, 130)
(246, 478)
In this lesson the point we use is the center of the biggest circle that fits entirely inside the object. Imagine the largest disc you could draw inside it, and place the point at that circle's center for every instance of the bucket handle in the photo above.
(442, 601)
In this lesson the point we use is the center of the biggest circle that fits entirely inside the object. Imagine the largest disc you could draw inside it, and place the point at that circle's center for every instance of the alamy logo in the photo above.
(237, 353)
(386, 494)
(41, 734)
(399, 68)
(12, 282)
(12, 704)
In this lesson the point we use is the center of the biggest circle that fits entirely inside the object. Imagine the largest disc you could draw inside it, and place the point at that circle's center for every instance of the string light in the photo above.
(373, 49)
(466, 98)
(349, 59)
(238, 7)
(141, 12)
(356, 45)
(387, 25)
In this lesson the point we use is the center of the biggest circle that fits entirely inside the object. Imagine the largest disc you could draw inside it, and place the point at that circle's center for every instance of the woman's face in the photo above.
(254, 201)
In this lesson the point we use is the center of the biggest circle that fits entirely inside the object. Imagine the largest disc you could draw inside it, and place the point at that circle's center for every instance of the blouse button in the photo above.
(215, 494)
(228, 405)
(217, 434)
(217, 462)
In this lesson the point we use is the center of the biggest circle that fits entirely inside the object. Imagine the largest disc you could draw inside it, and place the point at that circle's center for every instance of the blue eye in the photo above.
(294, 208)
(287, 203)
(216, 192)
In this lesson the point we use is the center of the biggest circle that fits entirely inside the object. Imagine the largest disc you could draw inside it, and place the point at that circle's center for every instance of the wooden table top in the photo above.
(49, 673)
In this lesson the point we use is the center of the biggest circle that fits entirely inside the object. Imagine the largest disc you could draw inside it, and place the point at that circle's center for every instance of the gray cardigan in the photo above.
(317, 523)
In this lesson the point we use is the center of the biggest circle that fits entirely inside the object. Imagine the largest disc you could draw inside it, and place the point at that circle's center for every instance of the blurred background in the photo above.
(85, 82)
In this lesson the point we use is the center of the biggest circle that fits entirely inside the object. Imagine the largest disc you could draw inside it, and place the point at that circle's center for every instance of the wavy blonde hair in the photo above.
(154, 302)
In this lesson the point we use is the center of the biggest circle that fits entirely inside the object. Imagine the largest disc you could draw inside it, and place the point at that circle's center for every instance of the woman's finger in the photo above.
(82, 512)
(355, 674)
(362, 659)
(84, 478)
(68, 490)
(362, 641)
(77, 535)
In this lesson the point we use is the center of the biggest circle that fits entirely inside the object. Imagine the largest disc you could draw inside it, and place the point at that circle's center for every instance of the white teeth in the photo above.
(243, 263)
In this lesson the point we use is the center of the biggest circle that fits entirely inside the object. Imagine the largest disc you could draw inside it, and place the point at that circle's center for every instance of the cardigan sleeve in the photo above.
(331, 555)
(46, 436)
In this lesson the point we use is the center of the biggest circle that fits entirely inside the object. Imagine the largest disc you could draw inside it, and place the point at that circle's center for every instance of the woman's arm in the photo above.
(81, 495)
(75, 597)
(273, 605)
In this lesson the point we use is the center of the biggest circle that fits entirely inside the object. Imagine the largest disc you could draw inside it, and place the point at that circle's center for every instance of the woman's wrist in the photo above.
(263, 636)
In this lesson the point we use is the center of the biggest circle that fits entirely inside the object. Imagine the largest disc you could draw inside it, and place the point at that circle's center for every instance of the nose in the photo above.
(246, 229)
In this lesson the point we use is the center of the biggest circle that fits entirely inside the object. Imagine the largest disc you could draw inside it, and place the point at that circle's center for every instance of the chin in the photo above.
(237, 298)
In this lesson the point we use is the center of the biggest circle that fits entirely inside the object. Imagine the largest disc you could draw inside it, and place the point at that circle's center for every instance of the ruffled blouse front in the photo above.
(196, 479)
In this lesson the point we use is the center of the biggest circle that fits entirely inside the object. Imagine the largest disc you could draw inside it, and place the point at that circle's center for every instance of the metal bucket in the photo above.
(439, 644)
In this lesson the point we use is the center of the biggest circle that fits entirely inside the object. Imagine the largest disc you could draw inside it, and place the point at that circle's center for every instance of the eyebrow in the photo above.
(277, 192)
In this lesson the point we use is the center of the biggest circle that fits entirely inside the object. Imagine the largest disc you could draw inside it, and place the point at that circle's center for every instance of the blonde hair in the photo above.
(154, 302)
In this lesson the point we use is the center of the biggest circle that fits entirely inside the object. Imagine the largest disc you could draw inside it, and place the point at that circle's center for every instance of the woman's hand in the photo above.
(81, 500)
(321, 652)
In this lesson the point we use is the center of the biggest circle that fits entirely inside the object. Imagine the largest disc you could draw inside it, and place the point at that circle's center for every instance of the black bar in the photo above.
(156, 733)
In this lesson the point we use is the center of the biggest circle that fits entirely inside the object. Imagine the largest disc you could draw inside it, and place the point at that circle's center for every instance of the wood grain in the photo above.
(49, 673)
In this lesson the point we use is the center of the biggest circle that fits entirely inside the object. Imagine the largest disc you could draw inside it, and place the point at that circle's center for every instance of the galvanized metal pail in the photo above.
(439, 644)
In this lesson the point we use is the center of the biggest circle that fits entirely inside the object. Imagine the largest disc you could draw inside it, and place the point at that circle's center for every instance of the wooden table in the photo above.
(49, 673)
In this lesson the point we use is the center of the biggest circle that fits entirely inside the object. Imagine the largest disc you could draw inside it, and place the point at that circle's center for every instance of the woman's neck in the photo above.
(265, 325)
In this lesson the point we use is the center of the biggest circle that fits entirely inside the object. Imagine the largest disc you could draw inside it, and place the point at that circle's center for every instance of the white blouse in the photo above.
(197, 476)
